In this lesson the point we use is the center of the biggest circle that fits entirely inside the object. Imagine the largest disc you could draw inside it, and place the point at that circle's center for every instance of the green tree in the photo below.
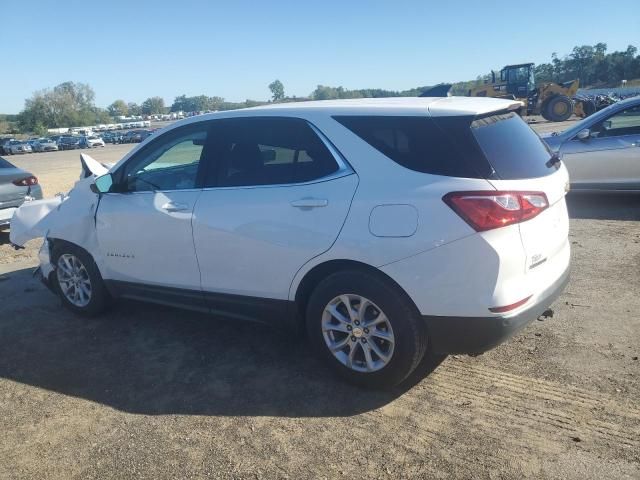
(118, 108)
(134, 109)
(198, 103)
(277, 90)
(66, 105)
(153, 105)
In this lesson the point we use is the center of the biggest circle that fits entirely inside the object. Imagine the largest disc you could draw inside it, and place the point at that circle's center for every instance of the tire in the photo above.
(559, 108)
(588, 107)
(543, 112)
(385, 301)
(73, 264)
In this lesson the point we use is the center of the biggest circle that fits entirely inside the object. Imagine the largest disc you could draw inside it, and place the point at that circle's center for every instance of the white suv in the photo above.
(385, 227)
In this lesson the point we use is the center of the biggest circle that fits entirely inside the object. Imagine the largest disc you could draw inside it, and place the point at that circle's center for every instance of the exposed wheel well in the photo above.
(55, 242)
(318, 273)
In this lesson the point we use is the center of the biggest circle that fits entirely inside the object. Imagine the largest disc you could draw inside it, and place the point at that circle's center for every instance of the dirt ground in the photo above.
(150, 392)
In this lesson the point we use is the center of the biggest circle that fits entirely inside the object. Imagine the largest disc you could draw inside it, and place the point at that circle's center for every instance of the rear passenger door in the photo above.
(276, 195)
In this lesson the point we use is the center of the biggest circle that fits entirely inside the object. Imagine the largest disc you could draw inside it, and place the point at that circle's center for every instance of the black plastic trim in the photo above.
(264, 310)
(474, 335)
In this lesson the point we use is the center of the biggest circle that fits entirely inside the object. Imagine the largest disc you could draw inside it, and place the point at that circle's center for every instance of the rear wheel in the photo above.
(559, 108)
(78, 280)
(365, 329)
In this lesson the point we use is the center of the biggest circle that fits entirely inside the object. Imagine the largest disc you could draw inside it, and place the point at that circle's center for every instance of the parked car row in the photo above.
(12, 146)
(132, 136)
(51, 144)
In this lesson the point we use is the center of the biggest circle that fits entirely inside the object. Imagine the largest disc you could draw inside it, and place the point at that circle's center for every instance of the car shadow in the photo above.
(154, 360)
(603, 206)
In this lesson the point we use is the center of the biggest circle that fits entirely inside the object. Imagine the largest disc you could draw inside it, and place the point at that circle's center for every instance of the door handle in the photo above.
(175, 207)
(310, 203)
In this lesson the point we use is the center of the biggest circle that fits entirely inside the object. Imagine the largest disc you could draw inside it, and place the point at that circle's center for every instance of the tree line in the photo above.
(73, 104)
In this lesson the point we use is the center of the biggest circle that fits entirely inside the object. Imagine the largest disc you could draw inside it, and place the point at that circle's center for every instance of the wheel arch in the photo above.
(319, 272)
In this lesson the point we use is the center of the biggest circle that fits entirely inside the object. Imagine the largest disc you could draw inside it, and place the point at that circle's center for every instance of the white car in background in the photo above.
(91, 141)
(384, 227)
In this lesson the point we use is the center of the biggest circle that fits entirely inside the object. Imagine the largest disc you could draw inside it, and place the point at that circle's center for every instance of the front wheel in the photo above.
(78, 281)
(365, 329)
(559, 108)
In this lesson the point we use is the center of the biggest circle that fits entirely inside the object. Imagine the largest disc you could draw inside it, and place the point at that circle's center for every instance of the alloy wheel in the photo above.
(74, 280)
(358, 333)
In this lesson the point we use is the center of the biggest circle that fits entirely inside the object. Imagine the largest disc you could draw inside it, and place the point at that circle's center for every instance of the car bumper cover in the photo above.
(474, 335)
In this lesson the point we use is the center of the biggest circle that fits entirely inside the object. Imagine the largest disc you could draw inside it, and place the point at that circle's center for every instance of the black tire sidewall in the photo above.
(408, 329)
(552, 102)
(99, 295)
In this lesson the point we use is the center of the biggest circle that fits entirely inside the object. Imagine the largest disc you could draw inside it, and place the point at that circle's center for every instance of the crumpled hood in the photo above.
(70, 217)
(30, 220)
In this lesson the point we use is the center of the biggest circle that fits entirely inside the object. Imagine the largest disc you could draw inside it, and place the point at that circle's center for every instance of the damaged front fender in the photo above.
(70, 217)
(32, 219)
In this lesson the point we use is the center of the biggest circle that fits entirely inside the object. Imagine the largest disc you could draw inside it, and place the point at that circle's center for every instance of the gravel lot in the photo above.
(149, 392)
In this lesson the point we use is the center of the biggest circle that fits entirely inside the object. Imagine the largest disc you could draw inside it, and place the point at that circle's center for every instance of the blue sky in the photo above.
(234, 49)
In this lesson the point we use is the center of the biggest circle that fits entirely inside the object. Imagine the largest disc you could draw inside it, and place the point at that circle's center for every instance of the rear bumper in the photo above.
(473, 335)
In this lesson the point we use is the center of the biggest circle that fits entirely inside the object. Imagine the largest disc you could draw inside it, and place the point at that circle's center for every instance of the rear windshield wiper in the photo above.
(554, 160)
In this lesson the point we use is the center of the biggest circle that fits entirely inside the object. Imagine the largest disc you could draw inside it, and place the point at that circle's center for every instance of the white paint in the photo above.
(393, 220)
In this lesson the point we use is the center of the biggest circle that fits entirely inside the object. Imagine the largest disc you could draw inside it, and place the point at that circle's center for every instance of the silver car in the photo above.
(14, 147)
(16, 187)
(602, 152)
(44, 145)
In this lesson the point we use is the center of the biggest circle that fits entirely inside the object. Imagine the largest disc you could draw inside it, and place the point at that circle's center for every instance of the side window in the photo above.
(267, 151)
(622, 123)
(170, 162)
(421, 144)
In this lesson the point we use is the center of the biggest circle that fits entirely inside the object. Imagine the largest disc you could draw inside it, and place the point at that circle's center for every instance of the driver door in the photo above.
(610, 157)
(144, 227)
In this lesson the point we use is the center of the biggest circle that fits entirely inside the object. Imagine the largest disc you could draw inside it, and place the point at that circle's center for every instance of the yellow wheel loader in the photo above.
(554, 101)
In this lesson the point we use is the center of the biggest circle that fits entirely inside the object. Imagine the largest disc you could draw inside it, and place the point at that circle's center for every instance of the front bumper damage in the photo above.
(68, 217)
(46, 267)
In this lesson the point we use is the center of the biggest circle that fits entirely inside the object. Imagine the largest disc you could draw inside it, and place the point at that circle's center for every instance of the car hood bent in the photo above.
(69, 217)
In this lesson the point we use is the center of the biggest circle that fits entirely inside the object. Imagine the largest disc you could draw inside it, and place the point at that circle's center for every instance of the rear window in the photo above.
(419, 143)
(511, 147)
(499, 146)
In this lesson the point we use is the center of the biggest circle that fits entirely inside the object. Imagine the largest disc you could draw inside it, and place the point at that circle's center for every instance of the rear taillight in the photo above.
(26, 182)
(486, 210)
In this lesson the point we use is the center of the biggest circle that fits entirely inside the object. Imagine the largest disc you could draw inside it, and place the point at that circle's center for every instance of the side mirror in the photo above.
(102, 184)
(584, 134)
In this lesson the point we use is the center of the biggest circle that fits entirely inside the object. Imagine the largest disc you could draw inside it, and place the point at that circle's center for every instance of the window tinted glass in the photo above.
(626, 122)
(267, 151)
(169, 163)
(511, 147)
(442, 146)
